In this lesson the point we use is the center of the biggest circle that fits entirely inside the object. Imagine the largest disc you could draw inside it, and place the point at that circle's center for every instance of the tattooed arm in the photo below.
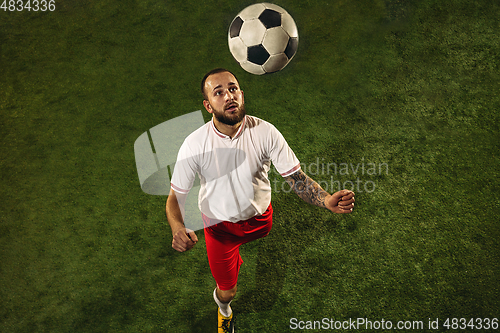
(310, 191)
(307, 189)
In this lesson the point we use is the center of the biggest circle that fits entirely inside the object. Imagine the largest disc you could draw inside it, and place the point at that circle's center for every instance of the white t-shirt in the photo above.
(233, 172)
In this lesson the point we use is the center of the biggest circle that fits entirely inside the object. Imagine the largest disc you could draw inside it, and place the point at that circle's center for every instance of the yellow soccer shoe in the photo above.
(225, 324)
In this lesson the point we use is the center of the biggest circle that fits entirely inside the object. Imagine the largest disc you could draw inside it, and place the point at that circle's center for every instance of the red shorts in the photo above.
(223, 242)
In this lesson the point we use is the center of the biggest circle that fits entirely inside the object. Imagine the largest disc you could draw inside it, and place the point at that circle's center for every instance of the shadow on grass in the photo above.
(270, 278)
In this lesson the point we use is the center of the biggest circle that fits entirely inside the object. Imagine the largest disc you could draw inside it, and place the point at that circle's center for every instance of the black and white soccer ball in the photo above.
(263, 38)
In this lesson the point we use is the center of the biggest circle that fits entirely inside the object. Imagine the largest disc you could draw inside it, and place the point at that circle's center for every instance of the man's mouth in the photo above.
(232, 107)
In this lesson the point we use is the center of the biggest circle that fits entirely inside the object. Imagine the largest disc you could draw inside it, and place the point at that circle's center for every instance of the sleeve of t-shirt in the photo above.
(185, 170)
(281, 155)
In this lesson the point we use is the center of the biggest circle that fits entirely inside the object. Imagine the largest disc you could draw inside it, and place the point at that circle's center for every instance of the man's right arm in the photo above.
(182, 239)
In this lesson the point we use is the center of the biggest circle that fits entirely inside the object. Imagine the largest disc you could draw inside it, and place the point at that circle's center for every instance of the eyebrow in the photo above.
(220, 85)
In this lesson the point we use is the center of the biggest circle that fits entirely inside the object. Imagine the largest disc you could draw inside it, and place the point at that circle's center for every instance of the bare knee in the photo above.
(226, 296)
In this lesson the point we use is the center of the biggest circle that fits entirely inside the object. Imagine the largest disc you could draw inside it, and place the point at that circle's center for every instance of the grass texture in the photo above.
(401, 95)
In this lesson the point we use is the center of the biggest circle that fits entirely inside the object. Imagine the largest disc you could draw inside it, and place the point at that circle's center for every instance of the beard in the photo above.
(230, 118)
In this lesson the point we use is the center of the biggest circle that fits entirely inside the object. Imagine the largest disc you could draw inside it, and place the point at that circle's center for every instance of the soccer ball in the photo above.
(263, 38)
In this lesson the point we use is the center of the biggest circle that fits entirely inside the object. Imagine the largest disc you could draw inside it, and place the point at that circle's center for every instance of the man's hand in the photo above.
(341, 202)
(183, 239)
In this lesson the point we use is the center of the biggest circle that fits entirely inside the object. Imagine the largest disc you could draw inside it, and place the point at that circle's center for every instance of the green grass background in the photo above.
(413, 84)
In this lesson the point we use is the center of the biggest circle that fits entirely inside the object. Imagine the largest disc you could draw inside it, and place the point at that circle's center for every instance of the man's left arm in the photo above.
(340, 202)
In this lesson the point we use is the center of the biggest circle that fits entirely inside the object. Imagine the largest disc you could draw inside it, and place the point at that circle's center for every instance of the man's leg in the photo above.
(223, 241)
(225, 320)
(223, 299)
(226, 296)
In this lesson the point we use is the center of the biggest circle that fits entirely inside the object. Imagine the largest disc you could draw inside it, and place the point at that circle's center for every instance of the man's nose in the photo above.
(229, 96)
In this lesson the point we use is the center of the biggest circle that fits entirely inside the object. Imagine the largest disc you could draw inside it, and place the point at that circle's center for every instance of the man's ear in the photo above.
(207, 106)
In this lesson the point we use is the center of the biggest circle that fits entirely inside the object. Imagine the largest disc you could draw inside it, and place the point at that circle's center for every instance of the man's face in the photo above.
(225, 99)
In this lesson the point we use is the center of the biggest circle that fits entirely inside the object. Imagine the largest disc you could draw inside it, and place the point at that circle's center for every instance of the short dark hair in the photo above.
(213, 71)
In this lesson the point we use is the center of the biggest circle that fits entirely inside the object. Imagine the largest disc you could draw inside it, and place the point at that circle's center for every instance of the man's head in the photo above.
(223, 96)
